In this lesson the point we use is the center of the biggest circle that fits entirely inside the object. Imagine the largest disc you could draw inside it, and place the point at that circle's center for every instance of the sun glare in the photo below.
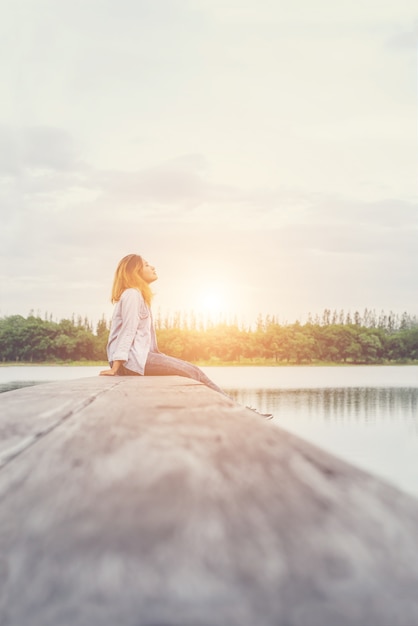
(212, 301)
(211, 304)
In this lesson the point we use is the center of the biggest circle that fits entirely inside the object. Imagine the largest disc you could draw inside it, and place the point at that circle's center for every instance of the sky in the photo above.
(261, 154)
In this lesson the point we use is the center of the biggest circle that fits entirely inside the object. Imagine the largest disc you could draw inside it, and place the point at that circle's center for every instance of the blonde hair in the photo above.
(128, 275)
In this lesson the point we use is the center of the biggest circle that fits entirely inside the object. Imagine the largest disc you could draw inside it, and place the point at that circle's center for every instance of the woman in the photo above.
(132, 347)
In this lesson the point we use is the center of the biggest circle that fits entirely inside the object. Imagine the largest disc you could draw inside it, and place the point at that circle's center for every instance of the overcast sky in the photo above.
(261, 154)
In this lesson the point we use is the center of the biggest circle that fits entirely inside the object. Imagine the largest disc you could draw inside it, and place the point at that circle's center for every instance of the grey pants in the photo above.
(159, 364)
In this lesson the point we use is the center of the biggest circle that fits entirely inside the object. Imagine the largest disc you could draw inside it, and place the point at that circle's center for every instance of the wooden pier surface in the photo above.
(156, 501)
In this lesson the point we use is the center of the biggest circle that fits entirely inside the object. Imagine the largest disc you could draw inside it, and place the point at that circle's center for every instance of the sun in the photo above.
(211, 301)
(211, 304)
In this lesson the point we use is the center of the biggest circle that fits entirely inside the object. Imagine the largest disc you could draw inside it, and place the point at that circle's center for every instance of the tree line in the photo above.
(334, 338)
(37, 340)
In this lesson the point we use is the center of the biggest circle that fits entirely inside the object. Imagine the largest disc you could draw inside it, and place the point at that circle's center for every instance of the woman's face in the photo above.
(148, 273)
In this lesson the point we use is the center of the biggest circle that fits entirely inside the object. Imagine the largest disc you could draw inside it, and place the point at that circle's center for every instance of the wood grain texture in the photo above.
(157, 502)
(31, 413)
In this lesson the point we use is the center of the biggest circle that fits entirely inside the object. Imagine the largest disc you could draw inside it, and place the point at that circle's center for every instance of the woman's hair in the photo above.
(127, 275)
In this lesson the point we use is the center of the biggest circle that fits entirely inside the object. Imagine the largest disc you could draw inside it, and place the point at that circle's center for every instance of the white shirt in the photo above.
(132, 334)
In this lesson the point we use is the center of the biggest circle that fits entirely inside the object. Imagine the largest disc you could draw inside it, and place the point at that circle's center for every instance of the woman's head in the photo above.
(133, 271)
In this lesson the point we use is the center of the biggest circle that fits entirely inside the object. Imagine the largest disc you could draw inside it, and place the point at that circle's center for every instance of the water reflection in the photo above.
(344, 404)
(375, 428)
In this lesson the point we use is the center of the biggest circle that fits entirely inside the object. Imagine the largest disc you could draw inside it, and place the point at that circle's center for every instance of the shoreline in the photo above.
(213, 363)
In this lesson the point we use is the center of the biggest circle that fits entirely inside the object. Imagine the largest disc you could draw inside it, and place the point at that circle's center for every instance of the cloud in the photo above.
(36, 148)
(404, 40)
(67, 200)
(179, 183)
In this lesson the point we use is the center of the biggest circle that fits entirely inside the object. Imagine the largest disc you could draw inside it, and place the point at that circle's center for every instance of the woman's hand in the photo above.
(114, 369)
(107, 373)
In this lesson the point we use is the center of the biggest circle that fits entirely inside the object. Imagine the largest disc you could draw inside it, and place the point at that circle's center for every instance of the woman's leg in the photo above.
(159, 364)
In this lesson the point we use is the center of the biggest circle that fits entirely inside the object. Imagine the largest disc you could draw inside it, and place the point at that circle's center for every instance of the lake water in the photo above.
(367, 415)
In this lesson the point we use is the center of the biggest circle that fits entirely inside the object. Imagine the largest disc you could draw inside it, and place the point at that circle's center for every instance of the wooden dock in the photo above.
(156, 501)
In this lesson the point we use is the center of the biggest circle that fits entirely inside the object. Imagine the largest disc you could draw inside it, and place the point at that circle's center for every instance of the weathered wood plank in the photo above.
(162, 503)
(31, 413)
